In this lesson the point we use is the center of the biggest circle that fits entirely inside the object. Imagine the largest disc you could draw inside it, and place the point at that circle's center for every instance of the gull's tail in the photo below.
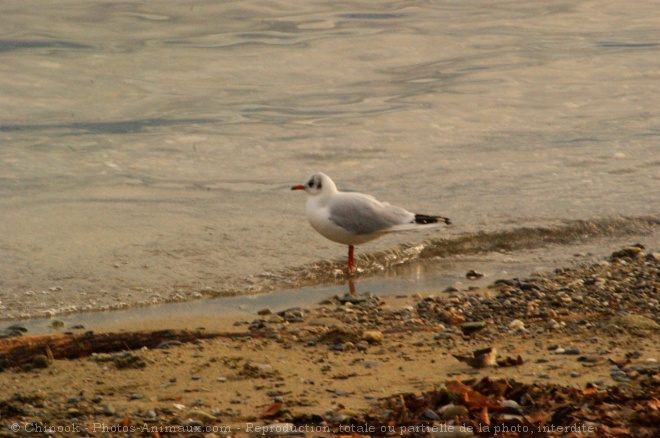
(421, 221)
(424, 219)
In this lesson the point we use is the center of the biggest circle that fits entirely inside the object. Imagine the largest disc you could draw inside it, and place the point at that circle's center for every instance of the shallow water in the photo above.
(147, 149)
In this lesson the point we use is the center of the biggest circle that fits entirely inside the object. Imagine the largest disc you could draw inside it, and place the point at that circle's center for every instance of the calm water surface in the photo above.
(147, 149)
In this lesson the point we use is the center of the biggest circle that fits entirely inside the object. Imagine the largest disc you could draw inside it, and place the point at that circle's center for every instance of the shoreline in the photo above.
(357, 360)
(436, 264)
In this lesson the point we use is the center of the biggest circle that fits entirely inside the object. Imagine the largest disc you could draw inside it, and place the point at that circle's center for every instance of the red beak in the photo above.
(298, 187)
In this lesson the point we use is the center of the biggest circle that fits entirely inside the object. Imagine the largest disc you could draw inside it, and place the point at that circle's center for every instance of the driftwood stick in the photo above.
(21, 350)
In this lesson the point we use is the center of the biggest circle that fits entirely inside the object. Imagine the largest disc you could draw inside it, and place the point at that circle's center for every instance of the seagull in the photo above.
(352, 218)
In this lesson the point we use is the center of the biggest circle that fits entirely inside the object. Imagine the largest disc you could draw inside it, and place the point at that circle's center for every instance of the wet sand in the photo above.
(341, 361)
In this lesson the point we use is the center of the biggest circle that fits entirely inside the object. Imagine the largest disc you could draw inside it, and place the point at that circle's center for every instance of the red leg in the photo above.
(351, 259)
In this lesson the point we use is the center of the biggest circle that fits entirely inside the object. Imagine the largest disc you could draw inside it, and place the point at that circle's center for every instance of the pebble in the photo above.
(448, 412)
(516, 324)
(362, 346)
(629, 251)
(202, 416)
(109, 409)
(17, 327)
(617, 374)
(473, 275)
(431, 415)
(373, 336)
(168, 344)
(337, 347)
(510, 404)
(472, 327)
(41, 361)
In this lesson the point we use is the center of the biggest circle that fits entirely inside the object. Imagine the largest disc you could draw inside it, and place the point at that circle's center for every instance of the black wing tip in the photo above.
(426, 219)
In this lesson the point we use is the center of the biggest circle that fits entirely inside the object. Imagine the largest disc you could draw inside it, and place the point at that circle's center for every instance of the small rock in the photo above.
(636, 323)
(202, 416)
(264, 312)
(629, 251)
(510, 404)
(18, 328)
(428, 413)
(109, 410)
(40, 361)
(472, 327)
(337, 347)
(617, 374)
(516, 324)
(448, 412)
(373, 336)
(168, 344)
(473, 275)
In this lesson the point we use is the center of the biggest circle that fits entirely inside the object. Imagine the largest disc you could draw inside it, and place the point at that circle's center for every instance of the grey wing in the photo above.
(362, 214)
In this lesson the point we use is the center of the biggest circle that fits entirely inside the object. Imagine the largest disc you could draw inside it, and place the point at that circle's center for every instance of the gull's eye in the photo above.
(310, 183)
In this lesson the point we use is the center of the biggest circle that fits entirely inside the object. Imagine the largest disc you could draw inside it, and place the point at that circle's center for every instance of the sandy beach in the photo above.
(570, 353)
